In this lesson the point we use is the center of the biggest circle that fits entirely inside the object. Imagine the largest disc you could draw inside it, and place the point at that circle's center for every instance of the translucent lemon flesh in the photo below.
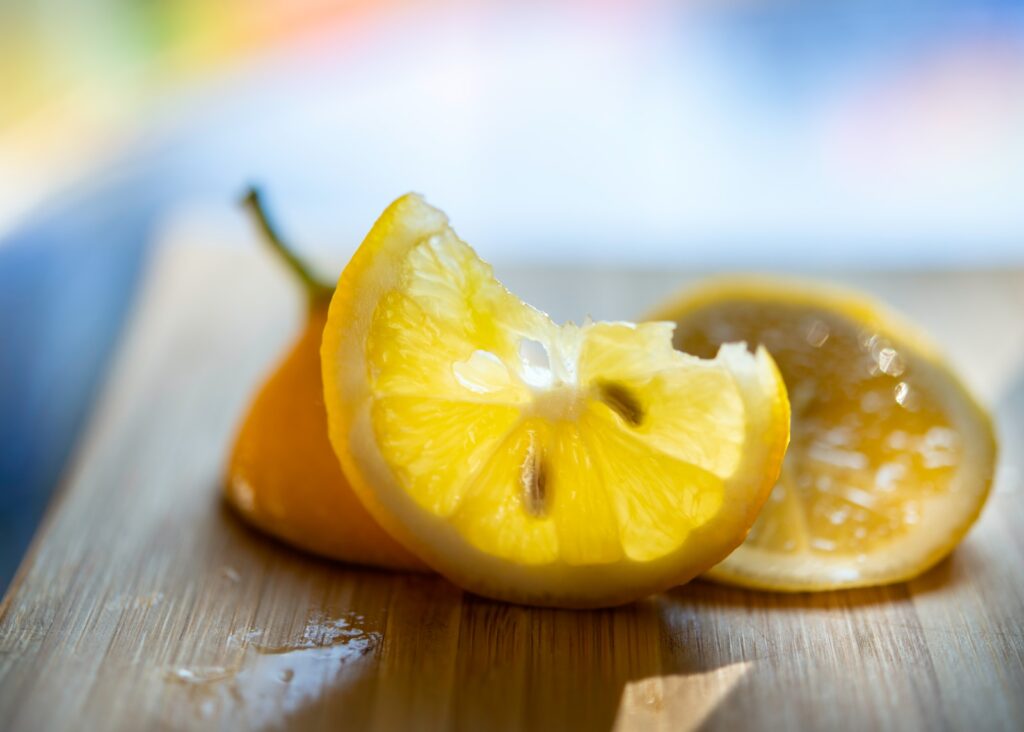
(890, 460)
(542, 463)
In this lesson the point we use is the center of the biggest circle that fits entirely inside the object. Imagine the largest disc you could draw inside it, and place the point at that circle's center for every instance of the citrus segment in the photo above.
(552, 464)
(891, 459)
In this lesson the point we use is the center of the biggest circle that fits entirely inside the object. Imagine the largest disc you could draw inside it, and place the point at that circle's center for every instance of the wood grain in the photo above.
(143, 604)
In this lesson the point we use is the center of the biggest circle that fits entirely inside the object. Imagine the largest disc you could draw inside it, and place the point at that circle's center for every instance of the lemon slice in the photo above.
(574, 466)
(891, 459)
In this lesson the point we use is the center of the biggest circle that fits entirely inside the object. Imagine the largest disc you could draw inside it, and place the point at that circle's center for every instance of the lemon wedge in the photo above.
(891, 459)
(563, 465)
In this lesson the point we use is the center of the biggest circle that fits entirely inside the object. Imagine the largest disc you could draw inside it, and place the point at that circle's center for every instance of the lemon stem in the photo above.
(316, 290)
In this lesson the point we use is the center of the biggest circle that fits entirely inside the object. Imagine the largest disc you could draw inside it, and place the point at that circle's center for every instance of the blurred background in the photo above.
(738, 134)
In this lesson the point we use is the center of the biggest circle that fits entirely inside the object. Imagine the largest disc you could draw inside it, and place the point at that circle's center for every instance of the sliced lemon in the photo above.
(891, 459)
(573, 466)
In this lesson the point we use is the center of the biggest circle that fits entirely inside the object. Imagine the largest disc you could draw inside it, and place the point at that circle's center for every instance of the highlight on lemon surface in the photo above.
(548, 464)
(282, 475)
(891, 459)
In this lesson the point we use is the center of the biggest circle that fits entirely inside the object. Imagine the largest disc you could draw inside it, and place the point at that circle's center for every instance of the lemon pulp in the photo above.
(492, 440)
(517, 431)
(890, 459)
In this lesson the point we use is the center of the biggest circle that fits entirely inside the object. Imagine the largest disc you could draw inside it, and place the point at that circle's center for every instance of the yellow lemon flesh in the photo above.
(891, 459)
(573, 466)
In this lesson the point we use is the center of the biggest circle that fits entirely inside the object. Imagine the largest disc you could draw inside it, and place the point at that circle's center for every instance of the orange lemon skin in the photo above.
(283, 476)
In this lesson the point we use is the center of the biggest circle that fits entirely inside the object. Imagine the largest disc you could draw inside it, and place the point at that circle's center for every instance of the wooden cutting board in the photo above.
(143, 604)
